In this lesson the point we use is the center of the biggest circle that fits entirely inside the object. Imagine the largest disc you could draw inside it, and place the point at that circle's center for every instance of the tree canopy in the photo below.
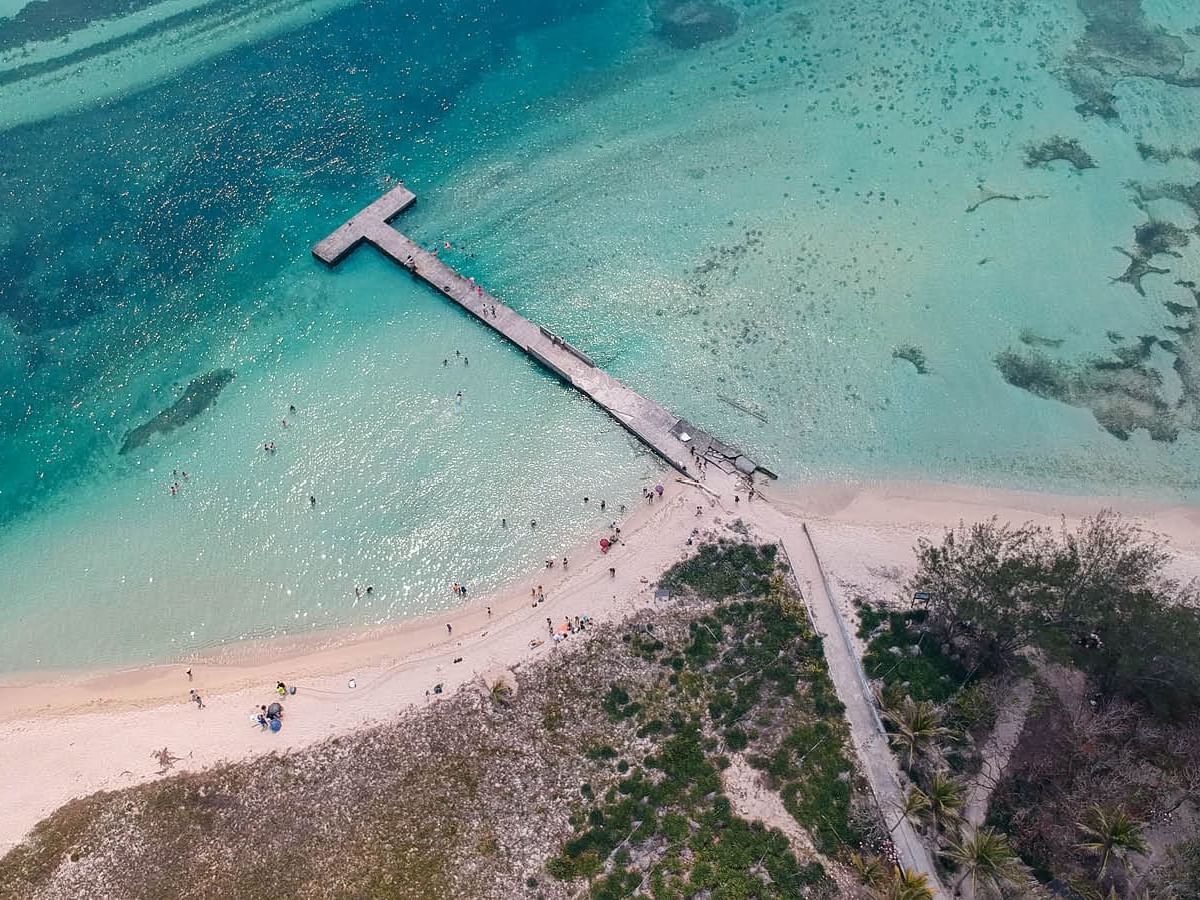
(1098, 596)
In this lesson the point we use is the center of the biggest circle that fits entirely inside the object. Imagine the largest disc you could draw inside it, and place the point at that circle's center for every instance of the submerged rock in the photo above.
(199, 395)
(1120, 42)
(1121, 391)
(913, 354)
(1057, 148)
(690, 23)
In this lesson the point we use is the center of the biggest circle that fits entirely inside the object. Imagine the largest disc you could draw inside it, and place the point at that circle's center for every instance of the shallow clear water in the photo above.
(763, 218)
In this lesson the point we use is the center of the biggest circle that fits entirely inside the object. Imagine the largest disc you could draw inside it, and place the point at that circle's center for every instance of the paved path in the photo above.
(673, 438)
(875, 757)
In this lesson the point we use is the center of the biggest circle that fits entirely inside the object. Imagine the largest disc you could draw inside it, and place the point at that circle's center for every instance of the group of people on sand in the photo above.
(558, 633)
(266, 716)
(271, 715)
(568, 627)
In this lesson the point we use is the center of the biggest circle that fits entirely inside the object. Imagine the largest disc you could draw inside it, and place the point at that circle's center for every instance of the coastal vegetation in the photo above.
(624, 764)
(1100, 795)
(611, 769)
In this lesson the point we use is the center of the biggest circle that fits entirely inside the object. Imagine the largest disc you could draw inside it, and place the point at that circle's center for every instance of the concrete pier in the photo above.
(668, 435)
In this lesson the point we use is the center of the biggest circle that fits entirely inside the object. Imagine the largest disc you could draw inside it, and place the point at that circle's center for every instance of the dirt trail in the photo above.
(997, 751)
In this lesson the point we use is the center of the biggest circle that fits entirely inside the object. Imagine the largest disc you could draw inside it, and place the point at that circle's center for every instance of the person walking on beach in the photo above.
(196, 698)
(549, 625)
(449, 628)
(188, 673)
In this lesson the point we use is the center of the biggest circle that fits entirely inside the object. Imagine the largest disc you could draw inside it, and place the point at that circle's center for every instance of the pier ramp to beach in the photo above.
(676, 440)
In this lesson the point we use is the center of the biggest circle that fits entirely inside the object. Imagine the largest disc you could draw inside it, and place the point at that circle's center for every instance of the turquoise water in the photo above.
(766, 214)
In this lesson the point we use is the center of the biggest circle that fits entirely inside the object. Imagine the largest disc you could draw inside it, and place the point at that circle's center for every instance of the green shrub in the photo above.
(614, 701)
(725, 569)
(736, 739)
(930, 675)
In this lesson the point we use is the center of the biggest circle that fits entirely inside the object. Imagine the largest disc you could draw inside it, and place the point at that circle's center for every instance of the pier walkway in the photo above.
(668, 435)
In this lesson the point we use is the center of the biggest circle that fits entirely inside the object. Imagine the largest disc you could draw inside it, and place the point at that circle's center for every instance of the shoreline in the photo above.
(83, 732)
(73, 691)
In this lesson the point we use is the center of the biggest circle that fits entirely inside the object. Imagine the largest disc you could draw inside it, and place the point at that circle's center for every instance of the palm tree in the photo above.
(918, 726)
(946, 797)
(988, 859)
(869, 869)
(905, 884)
(1112, 834)
(914, 807)
(500, 692)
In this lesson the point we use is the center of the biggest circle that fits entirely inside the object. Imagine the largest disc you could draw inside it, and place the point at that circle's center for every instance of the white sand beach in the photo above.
(68, 735)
